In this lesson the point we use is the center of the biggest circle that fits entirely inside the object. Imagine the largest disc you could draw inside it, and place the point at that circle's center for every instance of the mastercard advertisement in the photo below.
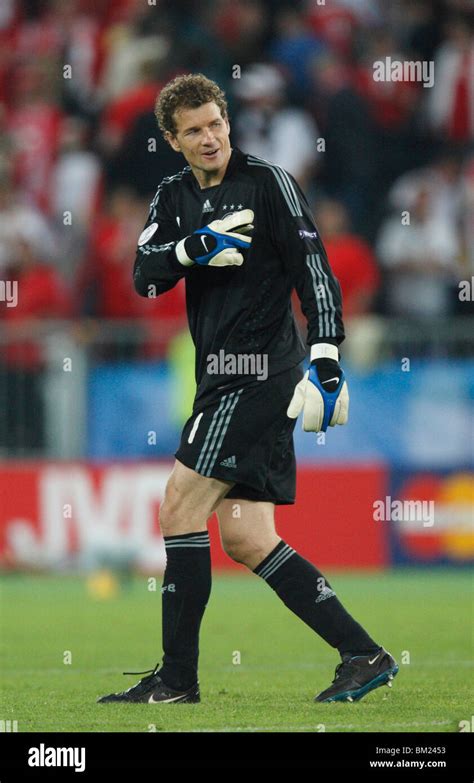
(431, 517)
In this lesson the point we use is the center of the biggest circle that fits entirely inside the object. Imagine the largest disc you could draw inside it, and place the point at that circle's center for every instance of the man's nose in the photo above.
(208, 136)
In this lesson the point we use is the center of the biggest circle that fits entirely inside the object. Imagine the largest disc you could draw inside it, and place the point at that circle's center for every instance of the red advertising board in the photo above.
(68, 514)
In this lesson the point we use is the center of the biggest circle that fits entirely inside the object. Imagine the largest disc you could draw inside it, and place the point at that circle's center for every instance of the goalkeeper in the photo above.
(239, 230)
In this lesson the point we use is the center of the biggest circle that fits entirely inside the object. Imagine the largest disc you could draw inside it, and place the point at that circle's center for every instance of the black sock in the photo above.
(185, 593)
(305, 591)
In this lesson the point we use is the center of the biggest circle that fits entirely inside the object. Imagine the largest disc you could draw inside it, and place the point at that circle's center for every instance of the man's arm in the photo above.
(156, 267)
(304, 256)
(322, 394)
(163, 257)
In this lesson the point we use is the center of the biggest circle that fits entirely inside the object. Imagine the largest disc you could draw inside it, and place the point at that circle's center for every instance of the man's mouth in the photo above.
(210, 155)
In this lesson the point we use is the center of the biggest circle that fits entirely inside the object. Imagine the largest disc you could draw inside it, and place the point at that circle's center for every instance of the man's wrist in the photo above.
(181, 255)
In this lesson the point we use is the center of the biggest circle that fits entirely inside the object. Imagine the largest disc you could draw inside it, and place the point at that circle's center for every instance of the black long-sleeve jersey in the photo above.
(242, 310)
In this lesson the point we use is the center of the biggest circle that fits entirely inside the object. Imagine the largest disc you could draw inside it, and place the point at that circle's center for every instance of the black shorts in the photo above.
(245, 436)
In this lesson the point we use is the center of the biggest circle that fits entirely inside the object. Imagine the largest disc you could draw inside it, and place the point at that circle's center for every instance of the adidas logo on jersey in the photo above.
(207, 207)
(229, 462)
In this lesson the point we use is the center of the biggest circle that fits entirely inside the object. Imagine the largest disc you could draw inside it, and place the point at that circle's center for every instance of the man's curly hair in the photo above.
(186, 92)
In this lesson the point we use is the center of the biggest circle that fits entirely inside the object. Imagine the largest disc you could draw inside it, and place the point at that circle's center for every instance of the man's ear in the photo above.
(172, 141)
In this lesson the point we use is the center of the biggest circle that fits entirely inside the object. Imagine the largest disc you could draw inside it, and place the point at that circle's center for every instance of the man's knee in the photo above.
(248, 553)
(235, 550)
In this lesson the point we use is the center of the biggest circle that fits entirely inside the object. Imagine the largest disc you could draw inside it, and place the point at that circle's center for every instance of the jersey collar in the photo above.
(235, 158)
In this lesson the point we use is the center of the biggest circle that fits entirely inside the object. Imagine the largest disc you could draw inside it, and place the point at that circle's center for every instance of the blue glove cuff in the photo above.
(329, 398)
(223, 243)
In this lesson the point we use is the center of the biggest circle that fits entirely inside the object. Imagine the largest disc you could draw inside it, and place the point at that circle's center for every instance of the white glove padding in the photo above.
(316, 404)
(219, 243)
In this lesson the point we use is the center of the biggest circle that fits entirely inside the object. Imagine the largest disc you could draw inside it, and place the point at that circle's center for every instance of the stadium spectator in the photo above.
(295, 48)
(442, 180)
(267, 127)
(367, 13)
(34, 126)
(348, 129)
(103, 285)
(392, 104)
(120, 113)
(419, 27)
(121, 132)
(467, 222)
(130, 44)
(451, 102)
(40, 295)
(21, 222)
(335, 24)
(243, 27)
(76, 189)
(421, 260)
(143, 159)
(69, 36)
(351, 258)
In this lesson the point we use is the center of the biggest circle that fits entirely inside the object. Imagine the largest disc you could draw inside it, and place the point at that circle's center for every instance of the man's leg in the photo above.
(189, 501)
(252, 540)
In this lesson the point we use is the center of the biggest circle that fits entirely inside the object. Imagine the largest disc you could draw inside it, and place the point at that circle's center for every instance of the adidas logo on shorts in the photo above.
(229, 462)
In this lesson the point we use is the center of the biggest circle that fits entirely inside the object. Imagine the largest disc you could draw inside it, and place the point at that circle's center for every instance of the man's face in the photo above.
(202, 136)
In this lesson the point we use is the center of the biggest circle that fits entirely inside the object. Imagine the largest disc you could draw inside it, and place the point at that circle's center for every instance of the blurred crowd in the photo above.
(388, 166)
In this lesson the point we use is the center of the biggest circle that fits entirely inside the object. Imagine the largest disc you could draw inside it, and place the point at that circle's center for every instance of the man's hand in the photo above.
(218, 244)
(322, 394)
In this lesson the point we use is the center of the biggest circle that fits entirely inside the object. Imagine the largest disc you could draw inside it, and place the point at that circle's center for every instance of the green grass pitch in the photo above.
(423, 617)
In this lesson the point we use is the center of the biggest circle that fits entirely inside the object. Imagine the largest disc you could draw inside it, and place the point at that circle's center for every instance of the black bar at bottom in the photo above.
(58, 755)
